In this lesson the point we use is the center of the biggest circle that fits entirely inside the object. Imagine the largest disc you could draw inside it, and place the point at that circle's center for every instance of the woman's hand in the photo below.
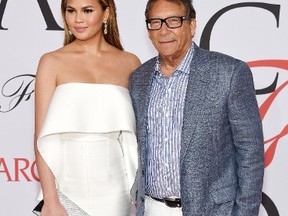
(53, 209)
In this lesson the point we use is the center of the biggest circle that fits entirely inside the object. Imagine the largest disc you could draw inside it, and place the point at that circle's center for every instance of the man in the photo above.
(198, 126)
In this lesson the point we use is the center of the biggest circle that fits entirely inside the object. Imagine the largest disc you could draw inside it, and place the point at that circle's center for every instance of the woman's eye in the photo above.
(70, 10)
(88, 11)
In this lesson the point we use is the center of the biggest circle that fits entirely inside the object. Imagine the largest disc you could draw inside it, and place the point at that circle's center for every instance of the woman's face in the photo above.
(85, 18)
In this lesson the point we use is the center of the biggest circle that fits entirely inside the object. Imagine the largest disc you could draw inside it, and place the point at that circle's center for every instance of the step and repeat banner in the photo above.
(254, 31)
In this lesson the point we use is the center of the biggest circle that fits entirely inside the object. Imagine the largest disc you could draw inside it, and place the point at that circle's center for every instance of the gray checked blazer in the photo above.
(222, 151)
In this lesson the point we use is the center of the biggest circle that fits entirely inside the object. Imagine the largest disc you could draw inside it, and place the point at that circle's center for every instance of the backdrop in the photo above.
(255, 32)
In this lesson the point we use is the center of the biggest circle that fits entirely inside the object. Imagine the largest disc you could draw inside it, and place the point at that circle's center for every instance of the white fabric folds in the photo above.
(89, 109)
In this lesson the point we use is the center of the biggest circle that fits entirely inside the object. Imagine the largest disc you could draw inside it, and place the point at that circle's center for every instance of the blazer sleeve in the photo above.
(246, 125)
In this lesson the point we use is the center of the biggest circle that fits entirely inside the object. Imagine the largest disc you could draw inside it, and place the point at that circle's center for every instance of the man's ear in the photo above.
(193, 26)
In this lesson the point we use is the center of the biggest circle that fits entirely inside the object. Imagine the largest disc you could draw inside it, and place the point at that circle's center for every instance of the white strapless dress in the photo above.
(88, 141)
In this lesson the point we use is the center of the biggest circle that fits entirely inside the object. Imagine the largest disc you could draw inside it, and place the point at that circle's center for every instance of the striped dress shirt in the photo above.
(165, 120)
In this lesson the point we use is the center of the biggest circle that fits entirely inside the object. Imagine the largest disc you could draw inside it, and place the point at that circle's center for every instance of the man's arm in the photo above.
(247, 132)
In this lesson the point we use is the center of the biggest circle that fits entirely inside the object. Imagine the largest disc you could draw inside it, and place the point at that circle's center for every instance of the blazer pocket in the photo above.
(223, 195)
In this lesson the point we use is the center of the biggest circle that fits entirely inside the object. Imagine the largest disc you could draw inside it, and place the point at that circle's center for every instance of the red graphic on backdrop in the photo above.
(22, 169)
(264, 108)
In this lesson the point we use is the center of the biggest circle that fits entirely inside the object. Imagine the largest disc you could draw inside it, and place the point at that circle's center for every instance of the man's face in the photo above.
(171, 43)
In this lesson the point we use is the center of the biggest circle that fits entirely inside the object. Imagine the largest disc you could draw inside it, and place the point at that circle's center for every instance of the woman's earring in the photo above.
(70, 33)
(105, 28)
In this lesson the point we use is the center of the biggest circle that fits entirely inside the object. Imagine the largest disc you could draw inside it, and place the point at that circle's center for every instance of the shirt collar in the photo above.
(184, 66)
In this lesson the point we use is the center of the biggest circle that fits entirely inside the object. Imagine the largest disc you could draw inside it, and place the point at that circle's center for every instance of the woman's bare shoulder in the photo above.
(50, 57)
(49, 63)
(130, 60)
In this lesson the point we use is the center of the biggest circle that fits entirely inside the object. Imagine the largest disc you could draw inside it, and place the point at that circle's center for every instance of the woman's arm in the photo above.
(45, 84)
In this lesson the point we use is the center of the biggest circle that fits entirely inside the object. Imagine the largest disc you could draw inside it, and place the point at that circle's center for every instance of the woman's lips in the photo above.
(80, 29)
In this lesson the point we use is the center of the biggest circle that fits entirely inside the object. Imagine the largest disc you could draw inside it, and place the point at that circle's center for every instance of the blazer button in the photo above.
(142, 199)
(143, 172)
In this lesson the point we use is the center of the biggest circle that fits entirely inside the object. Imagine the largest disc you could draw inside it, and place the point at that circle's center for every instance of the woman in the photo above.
(85, 145)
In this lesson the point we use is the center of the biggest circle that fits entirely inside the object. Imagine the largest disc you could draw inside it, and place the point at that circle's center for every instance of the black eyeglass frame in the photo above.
(148, 21)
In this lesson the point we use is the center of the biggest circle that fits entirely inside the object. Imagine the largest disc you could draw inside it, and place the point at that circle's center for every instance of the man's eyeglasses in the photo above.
(171, 22)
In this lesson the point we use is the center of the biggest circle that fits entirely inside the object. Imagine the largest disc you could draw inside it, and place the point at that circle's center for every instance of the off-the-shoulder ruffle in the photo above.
(88, 108)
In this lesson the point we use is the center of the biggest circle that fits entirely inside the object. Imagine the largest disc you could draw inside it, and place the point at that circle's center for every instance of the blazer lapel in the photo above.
(195, 97)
